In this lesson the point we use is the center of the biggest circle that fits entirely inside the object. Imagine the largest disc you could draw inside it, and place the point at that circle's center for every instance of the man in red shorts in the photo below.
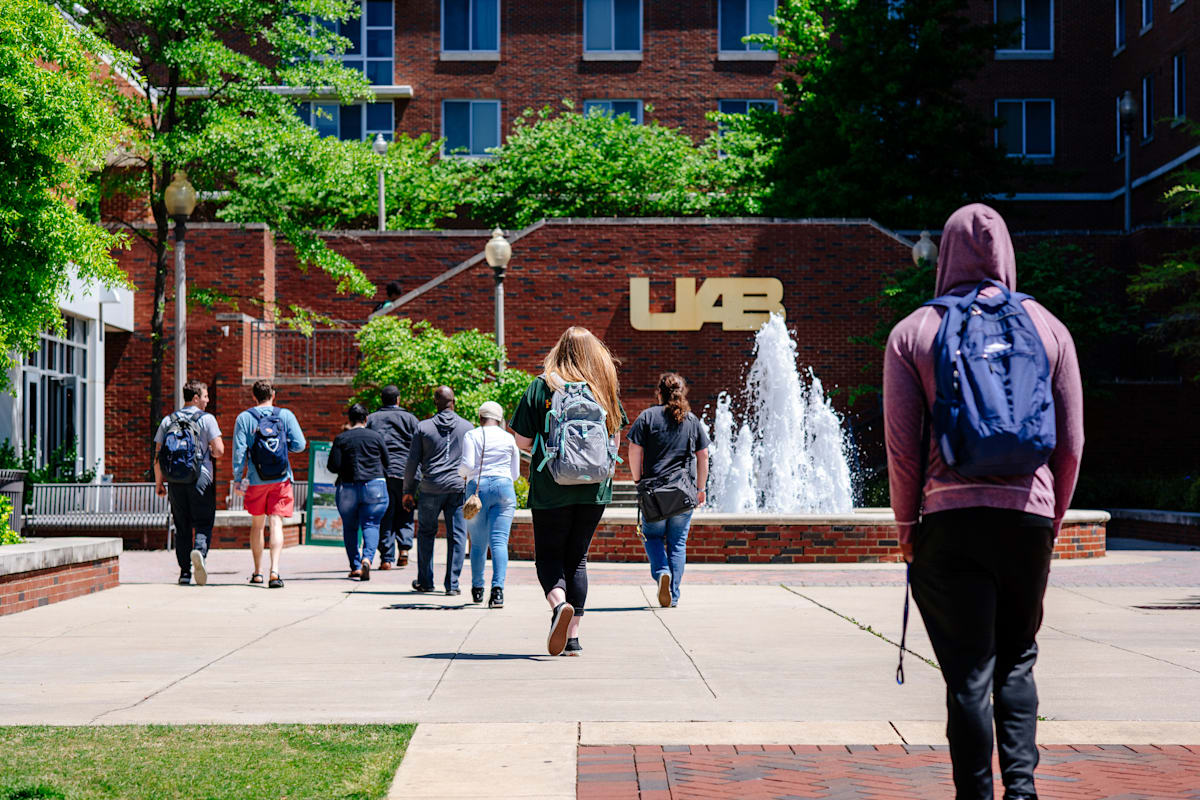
(262, 438)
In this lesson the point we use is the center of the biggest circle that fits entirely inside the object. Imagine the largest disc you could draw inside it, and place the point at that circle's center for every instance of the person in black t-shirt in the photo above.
(397, 426)
(359, 458)
(665, 440)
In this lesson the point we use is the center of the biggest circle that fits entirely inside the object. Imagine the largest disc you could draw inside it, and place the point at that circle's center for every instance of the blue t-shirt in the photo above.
(243, 436)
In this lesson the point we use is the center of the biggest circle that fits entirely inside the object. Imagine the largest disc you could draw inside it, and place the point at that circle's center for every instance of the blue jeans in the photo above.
(490, 528)
(429, 507)
(361, 504)
(666, 547)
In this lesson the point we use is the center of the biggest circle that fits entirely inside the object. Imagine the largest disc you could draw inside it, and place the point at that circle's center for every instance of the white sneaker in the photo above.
(664, 589)
(198, 570)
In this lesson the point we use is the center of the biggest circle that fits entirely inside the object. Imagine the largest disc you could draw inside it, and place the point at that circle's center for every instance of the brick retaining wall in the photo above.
(21, 591)
(1156, 526)
(787, 543)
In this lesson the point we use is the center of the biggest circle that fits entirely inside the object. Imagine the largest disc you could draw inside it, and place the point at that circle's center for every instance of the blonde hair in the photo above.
(580, 356)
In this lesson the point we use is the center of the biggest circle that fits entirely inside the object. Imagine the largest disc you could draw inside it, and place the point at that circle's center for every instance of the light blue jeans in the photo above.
(361, 504)
(666, 547)
(490, 528)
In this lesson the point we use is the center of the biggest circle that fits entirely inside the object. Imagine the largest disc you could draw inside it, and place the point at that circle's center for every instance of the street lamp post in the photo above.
(498, 252)
(1128, 109)
(180, 200)
(380, 146)
(924, 250)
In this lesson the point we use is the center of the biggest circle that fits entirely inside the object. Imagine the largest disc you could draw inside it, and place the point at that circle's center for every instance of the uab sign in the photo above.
(739, 304)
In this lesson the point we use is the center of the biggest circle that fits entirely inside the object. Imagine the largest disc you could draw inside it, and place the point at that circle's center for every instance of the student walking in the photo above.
(359, 457)
(263, 435)
(185, 444)
(437, 452)
(668, 456)
(978, 505)
(570, 420)
(397, 427)
(490, 464)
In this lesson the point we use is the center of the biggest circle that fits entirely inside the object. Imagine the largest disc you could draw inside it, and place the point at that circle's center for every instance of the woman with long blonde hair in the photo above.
(578, 387)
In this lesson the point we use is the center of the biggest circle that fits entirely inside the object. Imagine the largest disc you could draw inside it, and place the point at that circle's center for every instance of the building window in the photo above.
(738, 18)
(1147, 108)
(1034, 21)
(470, 127)
(1120, 21)
(1028, 128)
(471, 25)
(1179, 63)
(372, 41)
(612, 26)
(355, 122)
(55, 403)
(745, 106)
(1147, 13)
(615, 108)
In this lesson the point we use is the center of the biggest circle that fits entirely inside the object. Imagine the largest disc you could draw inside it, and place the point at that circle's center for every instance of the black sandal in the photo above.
(256, 578)
(276, 582)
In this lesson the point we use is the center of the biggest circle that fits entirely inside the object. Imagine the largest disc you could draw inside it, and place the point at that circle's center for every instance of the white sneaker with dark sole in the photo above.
(664, 590)
(560, 621)
(198, 570)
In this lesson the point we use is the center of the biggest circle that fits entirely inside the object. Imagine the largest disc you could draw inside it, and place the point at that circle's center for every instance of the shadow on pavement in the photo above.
(1189, 604)
(421, 606)
(485, 657)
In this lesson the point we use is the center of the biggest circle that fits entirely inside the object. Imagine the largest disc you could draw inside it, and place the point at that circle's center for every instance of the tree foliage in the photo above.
(1170, 291)
(567, 164)
(55, 128)
(876, 123)
(418, 357)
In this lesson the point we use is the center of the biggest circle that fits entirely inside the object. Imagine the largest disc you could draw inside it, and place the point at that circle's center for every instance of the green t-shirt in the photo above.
(529, 420)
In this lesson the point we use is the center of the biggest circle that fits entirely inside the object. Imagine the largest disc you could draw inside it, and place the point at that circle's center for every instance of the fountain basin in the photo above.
(864, 536)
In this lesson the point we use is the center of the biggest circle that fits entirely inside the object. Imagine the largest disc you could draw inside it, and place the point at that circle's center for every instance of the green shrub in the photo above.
(7, 536)
(521, 485)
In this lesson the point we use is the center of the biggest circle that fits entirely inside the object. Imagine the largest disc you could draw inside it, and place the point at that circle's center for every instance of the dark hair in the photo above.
(192, 390)
(356, 413)
(394, 288)
(389, 395)
(672, 391)
(262, 391)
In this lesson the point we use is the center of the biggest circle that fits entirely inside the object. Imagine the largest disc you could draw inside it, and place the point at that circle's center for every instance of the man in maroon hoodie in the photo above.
(979, 547)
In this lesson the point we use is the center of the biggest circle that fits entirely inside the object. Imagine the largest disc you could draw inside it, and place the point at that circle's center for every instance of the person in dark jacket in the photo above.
(437, 451)
(359, 457)
(397, 427)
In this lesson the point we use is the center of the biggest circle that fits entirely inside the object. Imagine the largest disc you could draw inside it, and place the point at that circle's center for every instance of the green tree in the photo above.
(203, 102)
(55, 128)
(876, 123)
(418, 358)
(567, 164)
(1170, 291)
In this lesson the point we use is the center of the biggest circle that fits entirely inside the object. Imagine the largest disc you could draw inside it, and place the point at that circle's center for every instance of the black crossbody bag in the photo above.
(667, 496)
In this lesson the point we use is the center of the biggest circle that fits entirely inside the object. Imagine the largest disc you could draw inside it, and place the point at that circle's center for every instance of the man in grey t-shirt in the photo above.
(193, 504)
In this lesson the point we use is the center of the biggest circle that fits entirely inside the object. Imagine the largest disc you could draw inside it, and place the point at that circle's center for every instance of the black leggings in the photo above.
(561, 537)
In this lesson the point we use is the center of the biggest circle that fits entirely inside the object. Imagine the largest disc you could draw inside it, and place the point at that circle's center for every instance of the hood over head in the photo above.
(975, 246)
(446, 420)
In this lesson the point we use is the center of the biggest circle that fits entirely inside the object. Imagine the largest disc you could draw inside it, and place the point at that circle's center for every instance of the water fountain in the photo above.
(788, 455)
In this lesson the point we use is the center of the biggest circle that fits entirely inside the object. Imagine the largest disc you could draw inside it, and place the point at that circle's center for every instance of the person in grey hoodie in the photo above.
(979, 547)
(397, 427)
(437, 451)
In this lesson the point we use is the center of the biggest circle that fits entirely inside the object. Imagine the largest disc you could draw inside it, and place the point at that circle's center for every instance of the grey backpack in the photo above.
(576, 441)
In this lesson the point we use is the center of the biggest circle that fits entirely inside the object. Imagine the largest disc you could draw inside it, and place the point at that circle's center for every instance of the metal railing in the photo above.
(283, 353)
(236, 502)
(96, 505)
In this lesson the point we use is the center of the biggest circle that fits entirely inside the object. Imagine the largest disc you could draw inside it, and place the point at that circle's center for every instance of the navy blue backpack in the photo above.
(994, 411)
(181, 455)
(269, 449)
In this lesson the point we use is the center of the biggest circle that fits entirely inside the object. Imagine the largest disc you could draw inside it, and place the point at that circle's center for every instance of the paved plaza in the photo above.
(796, 657)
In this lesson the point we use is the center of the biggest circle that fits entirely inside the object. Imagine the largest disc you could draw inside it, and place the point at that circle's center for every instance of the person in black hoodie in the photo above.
(437, 451)
(397, 427)
(359, 458)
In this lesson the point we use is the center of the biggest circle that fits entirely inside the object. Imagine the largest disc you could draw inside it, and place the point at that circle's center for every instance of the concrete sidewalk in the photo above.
(745, 655)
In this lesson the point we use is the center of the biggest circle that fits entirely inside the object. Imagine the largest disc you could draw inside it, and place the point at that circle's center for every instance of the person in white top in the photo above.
(490, 464)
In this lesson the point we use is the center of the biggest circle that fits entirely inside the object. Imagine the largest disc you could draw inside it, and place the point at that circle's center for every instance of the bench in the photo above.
(131, 510)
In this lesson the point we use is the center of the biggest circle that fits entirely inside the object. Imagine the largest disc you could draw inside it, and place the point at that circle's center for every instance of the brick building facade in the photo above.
(567, 272)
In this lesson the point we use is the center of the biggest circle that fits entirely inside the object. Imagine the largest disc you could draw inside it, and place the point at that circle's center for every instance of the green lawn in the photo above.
(201, 762)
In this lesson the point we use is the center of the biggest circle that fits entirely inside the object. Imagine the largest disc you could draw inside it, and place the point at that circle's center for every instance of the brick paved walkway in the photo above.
(1081, 772)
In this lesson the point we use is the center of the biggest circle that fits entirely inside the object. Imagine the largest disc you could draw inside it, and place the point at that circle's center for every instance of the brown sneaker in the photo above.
(664, 590)
(355, 573)
(385, 566)
(402, 559)
(560, 621)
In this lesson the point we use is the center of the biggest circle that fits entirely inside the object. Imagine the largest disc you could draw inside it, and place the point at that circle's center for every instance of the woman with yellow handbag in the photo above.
(490, 464)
